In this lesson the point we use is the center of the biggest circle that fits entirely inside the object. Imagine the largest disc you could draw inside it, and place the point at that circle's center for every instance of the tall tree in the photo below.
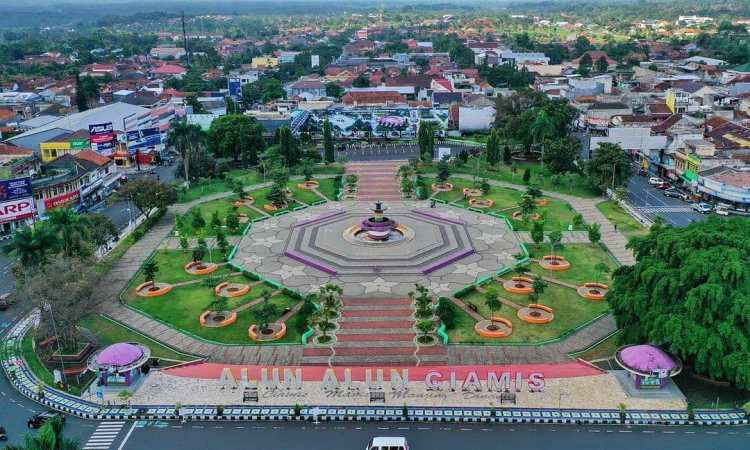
(601, 64)
(235, 136)
(33, 246)
(426, 141)
(493, 148)
(584, 65)
(148, 194)
(50, 437)
(562, 154)
(688, 291)
(71, 229)
(540, 129)
(609, 168)
(288, 147)
(187, 139)
(328, 149)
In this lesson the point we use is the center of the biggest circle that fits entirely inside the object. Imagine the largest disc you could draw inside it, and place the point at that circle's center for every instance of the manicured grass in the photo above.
(603, 350)
(303, 195)
(557, 215)
(582, 257)
(110, 332)
(625, 223)
(172, 263)
(704, 395)
(223, 206)
(42, 372)
(329, 188)
(579, 187)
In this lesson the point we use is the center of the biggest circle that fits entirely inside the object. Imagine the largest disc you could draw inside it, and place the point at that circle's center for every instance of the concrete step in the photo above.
(366, 307)
(316, 351)
(370, 337)
(374, 331)
(374, 351)
(390, 324)
(377, 313)
(433, 350)
(377, 301)
(373, 344)
(375, 319)
(364, 360)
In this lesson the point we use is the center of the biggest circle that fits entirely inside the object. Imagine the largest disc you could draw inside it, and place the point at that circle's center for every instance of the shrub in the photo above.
(446, 312)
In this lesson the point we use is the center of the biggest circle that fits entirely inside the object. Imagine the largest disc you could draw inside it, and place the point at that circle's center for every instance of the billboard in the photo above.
(147, 137)
(61, 200)
(17, 209)
(15, 188)
(235, 88)
(102, 138)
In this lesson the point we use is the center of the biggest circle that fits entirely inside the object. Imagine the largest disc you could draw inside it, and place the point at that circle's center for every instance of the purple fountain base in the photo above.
(310, 262)
(385, 226)
(450, 259)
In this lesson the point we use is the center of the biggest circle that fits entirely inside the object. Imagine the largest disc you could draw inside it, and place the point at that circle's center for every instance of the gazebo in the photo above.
(119, 364)
(648, 365)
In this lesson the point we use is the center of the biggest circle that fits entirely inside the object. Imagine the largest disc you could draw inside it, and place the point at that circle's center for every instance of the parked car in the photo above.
(642, 172)
(123, 178)
(676, 193)
(722, 210)
(702, 207)
(663, 185)
(388, 443)
(654, 181)
(37, 420)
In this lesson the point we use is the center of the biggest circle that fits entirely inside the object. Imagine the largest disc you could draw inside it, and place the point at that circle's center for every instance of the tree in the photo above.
(187, 139)
(199, 253)
(184, 243)
(150, 269)
(554, 239)
(425, 326)
(81, 101)
(537, 232)
(148, 194)
(595, 234)
(72, 231)
(328, 150)
(426, 141)
(238, 188)
(602, 65)
(443, 171)
(610, 167)
(562, 154)
(539, 286)
(334, 90)
(493, 148)
(236, 136)
(267, 311)
(264, 90)
(526, 175)
(288, 147)
(233, 221)
(101, 229)
(540, 129)
(492, 301)
(197, 220)
(527, 205)
(688, 291)
(63, 289)
(49, 437)
(507, 155)
(361, 82)
(584, 65)
(33, 246)
(601, 269)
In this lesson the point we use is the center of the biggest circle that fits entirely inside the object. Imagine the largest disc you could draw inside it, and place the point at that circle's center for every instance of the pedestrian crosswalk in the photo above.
(104, 436)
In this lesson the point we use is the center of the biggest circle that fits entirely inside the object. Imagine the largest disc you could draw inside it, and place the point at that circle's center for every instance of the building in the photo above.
(378, 98)
(307, 88)
(169, 71)
(287, 57)
(10, 153)
(64, 144)
(264, 62)
(726, 185)
(167, 52)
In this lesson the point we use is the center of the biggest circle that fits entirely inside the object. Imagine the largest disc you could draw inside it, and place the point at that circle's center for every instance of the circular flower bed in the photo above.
(593, 291)
(499, 327)
(442, 187)
(518, 215)
(217, 319)
(554, 263)
(481, 202)
(243, 218)
(425, 340)
(273, 332)
(469, 192)
(542, 202)
(309, 184)
(519, 285)
(536, 313)
(200, 268)
(324, 341)
(151, 289)
(227, 289)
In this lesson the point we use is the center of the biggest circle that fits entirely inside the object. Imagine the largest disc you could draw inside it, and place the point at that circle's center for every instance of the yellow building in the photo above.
(64, 144)
(264, 62)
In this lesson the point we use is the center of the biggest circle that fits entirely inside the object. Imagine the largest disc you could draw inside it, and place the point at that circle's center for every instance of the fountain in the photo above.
(378, 229)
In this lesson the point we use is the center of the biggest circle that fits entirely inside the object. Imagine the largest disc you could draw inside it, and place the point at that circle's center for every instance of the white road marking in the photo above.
(127, 436)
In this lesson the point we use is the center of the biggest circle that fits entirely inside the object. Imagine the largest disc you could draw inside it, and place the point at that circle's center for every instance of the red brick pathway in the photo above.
(377, 180)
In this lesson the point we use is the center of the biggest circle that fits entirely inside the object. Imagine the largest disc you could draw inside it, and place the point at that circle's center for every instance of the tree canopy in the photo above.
(690, 292)
(148, 194)
(235, 136)
(607, 158)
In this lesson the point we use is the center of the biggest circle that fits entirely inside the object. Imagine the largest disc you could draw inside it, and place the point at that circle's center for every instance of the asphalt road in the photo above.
(652, 202)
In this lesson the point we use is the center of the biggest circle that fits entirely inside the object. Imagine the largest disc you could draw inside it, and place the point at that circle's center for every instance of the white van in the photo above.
(722, 209)
(388, 443)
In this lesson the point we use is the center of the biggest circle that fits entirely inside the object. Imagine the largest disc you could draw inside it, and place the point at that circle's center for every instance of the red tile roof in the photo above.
(12, 150)
(380, 97)
(92, 156)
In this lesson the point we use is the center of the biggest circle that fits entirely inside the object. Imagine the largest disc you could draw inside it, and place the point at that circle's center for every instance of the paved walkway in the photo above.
(568, 237)
(377, 180)
(613, 239)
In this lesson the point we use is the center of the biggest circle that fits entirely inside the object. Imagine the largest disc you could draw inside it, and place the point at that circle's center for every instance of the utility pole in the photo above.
(184, 39)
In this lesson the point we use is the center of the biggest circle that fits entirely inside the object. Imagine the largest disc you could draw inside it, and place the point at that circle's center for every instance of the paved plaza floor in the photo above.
(446, 249)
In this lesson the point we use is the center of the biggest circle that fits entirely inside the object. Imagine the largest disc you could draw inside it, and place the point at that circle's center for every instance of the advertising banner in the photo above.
(17, 209)
(101, 132)
(61, 200)
(15, 188)
(147, 137)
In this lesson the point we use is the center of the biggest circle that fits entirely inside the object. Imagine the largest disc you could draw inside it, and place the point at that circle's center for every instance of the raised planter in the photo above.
(217, 319)
(227, 289)
(149, 289)
(309, 184)
(542, 202)
(498, 327)
(536, 313)
(519, 285)
(277, 331)
(442, 187)
(469, 192)
(593, 291)
(518, 215)
(481, 202)
(200, 268)
(555, 263)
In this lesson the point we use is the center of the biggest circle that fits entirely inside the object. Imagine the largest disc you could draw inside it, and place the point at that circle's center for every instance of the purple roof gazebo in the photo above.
(650, 365)
(119, 360)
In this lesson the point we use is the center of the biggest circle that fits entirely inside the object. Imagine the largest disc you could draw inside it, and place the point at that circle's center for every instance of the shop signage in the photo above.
(80, 144)
(17, 209)
(147, 137)
(61, 200)
(15, 188)
(101, 132)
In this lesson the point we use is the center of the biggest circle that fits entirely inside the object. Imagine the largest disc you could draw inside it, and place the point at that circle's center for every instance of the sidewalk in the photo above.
(613, 239)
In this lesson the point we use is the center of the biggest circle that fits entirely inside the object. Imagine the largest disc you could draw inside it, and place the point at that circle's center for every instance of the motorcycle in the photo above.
(3, 436)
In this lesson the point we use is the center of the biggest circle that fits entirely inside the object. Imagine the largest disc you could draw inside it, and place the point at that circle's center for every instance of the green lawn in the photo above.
(602, 350)
(620, 218)
(582, 257)
(172, 263)
(557, 215)
(303, 195)
(43, 373)
(579, 186)
(571, 311)
(110, 332)
(224, 206)
(329, 188)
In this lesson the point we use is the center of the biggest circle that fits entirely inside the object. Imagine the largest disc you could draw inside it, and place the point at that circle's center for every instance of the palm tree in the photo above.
(540, 129)
(32, 245)
(50, 437)
(186, 139)
(71, 228)
(149, 271)
(492, 300)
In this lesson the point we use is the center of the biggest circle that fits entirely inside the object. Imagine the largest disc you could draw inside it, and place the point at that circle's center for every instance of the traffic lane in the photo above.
(434, 436)
(119, 213)
(7, 280)
(643, 195)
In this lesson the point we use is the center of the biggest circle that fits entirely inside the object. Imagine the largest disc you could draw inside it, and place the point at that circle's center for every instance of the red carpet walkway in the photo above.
(377, 180)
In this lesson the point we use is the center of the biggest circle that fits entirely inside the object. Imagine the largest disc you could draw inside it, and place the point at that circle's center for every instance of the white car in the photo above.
(655, 181)
(388, 443)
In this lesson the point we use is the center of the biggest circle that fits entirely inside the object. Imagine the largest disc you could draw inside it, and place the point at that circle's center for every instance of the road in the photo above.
(651, 202)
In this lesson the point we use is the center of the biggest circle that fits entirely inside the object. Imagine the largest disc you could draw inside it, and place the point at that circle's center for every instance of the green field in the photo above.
(624, 222)
(171, 264)
(582, 257)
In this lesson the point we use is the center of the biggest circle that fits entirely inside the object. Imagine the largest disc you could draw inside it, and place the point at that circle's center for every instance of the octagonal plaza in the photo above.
(449, 249)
